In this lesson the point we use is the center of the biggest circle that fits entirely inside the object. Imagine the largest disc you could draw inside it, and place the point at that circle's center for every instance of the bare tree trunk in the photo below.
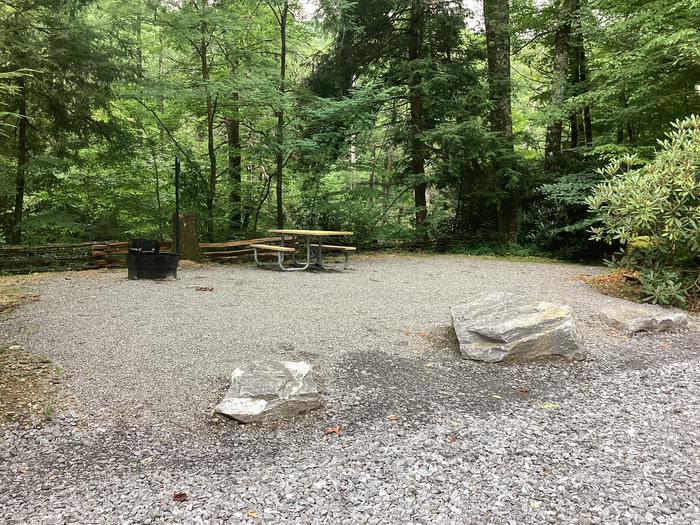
(203, 50)
(263, 198)
(561, 66)
(139, 48)
(279, 153)
(620, 136)
(583, 77)
(497, 21)
(23, 124)
(159, 207)
(573, 129)
(233, 132)
(372, 175)
(415, 49)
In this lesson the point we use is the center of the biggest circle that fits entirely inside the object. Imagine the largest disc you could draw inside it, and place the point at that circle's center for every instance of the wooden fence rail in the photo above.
(90, 255)
(27, 259)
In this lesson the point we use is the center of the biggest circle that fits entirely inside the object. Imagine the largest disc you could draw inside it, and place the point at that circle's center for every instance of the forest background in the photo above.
(411, 122)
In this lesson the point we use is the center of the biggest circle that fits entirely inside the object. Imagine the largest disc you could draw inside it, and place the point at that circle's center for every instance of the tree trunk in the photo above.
(211, 110)
(561, 68)
(233, 131)
(279, 153)
(263, 198)
(587, 125)
(497, 21)
(189, 240)
(156, 171)
(415, 49)
(620, 136)
(581, 132)
(22, 125)
(583, 77)
(372, 175)
(139, 48)
(212, 171)
(573, 127)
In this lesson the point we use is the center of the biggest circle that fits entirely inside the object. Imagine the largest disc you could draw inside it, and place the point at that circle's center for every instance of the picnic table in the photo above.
(317, 247)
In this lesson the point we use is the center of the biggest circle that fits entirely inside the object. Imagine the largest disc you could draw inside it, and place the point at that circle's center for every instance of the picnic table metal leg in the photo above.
(300, 268)
(318, 256)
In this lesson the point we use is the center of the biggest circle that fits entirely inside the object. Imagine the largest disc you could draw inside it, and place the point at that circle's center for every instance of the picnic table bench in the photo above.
(317, 247)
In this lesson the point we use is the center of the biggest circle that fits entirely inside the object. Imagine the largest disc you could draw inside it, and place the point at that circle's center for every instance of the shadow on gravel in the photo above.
(376, 385)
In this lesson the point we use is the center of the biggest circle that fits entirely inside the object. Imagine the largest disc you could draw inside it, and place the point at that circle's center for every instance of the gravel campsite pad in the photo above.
(409, 432)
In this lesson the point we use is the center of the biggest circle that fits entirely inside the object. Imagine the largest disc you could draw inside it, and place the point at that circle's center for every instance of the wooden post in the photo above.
(189, 240)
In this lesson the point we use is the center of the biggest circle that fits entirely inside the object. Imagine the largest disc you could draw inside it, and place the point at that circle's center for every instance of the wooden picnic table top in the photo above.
(310, 233)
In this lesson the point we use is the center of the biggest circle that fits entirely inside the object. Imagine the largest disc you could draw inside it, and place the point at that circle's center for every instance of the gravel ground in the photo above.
(426, 437)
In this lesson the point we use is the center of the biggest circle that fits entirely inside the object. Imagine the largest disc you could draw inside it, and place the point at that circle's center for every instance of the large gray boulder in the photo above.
(631, 319)
(505, 326)
(269, 391)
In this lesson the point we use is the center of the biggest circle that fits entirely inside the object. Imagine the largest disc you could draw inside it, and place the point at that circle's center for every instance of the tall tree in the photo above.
(416, 30)
(646, 66)
(561, 74)
(22, 125)
(70, 70)
(497, 22)
(408, 44)
(281, 13)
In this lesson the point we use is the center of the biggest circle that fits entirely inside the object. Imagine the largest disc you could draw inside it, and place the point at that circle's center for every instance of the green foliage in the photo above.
(115, 89)
(645, 67)
(654, 210)
(556, 218)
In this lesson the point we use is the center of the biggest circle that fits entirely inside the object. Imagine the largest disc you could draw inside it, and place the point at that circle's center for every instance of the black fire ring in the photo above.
(146, 261)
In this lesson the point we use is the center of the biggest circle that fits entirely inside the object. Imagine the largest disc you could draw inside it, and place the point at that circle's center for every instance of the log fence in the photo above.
(93, 255)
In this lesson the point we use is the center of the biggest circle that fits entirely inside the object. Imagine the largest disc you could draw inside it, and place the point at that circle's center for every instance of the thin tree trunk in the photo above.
(139, 48)
(159, 207)
(233, 131)
(573, 126)
(279, 153)
(203, 53)
(23, 124)
(415, 49)
(587, 125)
(583, 77)
(263, 198)
(620, 136)
(497, 21)
(372, 174)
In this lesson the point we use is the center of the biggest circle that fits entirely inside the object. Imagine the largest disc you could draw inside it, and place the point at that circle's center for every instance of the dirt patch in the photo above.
(184, 263)
(439, 339)
(29, 385)
(622, 284)
(15, 289)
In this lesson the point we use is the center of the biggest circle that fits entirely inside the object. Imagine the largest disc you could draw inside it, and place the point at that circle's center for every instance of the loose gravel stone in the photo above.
(424, 436)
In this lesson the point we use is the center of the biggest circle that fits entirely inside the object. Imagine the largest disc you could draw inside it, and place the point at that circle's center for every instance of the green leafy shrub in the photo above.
(654, 212)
